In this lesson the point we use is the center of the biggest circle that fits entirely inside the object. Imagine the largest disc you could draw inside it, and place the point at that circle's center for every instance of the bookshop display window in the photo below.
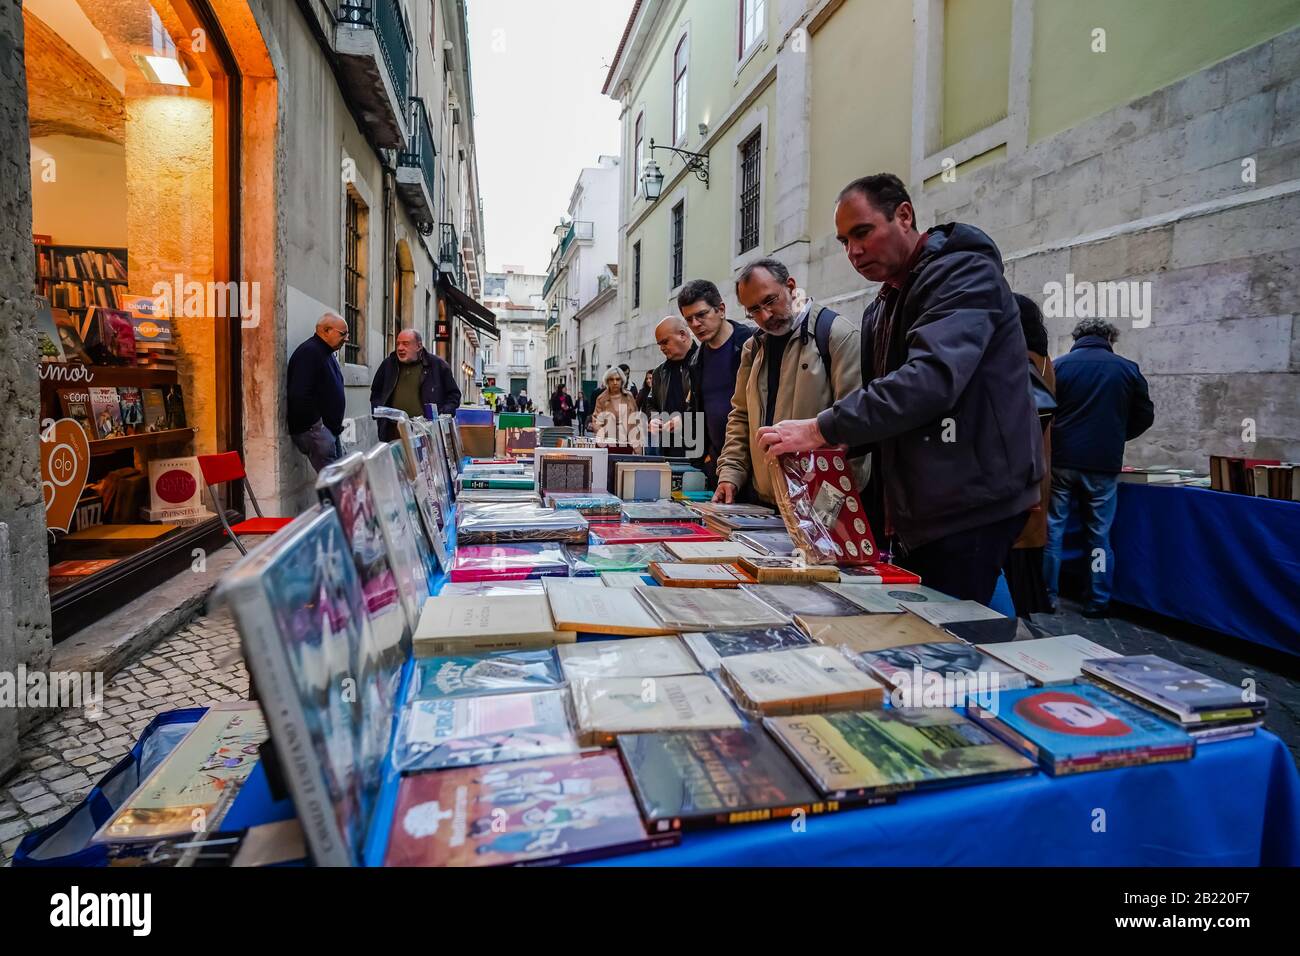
(133, 203)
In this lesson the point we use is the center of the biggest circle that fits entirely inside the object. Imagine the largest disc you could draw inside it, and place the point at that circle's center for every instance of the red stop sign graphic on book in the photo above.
(175, 483)
(176, 487)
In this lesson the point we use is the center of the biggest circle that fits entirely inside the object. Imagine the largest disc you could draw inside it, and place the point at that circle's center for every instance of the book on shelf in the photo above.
(627, 657)
(128, 397)
(1081, 728)
(49, 346)
(712, 647)
(862, 754)
(155, 412)
(607, 707)
(468, 731)
(75, 404)
(1048, 660)
(679, 575)
(106, 412)
(69, 332)
(600, 610)
(456, 625)
(708, 778)
(801, 680)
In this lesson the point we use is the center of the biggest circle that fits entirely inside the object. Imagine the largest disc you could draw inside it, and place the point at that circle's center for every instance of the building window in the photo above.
(680, 57)
(678, 241)
(639, 153)
(752, 16)
(636, 276)
(354, 275)
(518, 353)
(487, 355)
(750, 179)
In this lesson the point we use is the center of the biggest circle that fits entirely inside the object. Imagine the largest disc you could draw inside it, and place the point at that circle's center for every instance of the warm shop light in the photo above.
(163, 69)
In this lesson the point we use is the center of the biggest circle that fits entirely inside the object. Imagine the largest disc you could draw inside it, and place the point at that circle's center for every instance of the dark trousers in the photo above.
(966, 565)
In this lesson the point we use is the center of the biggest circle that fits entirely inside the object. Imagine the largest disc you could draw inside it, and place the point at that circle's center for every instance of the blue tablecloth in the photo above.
(1223, 561)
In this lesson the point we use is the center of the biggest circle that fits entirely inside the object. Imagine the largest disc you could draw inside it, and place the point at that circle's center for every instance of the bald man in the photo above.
(670, 391)
(316, 399)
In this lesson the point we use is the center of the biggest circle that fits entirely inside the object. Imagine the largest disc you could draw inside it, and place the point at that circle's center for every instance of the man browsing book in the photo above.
(411, 378)
(316, 397)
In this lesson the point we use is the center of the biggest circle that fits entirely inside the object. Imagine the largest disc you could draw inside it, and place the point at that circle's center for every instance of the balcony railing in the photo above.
(415, 167)
(385, 18)
(368, 31)
(449, 260)
(552, 363)
(552, 321)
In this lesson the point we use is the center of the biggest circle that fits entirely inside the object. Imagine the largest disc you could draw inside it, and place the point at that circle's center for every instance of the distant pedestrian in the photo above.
(411, 378)
(561, 406)
(315, 393)
(1101, 402)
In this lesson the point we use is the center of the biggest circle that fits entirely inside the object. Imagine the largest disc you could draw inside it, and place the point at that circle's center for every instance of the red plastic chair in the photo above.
(219, 469)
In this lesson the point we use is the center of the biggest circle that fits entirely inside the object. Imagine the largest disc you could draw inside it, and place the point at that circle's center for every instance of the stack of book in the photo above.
(553, 436)
(1206, 708)
(593, 505)
(1260, 477)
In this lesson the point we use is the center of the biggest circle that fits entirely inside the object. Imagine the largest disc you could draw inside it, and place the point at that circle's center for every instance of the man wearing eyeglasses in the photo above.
(671, 393)
(714, 366)
(316, 397)
(803, 358)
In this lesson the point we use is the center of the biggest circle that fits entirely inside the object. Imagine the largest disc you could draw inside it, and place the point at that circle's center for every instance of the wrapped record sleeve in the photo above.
(508, 562)
(822, 509)
(477, 526)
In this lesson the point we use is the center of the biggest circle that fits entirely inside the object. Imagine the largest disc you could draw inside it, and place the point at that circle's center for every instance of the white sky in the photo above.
(538, 67)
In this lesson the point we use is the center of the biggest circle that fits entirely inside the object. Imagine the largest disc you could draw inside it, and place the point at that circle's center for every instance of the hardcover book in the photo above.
(878, 573)
(564, 473)
(75, 404)
(769, 569)
(196, 781)
(468, 731)
(520, 561)
(711, 647)
(652, 511)
(630, 705)
(106, 413)
(871, 632)
(599, 463)
(485, 673)
(954, 672)
(298, 606)
(410, 571)
(1080, 728)
(683, 609)
(606, 558)
(457, 625)
(708, 552)
(1178, 690)
(821, 507)
(1049, 660)
(630, 657)
(478, 527)
(675, 575)
(805, 599)
(534, 812)
(802, 680)
(968, 620)
(714, 778)
(874, 752)
(650, 533)
(775, 543)
(889, 598)
(600, 610)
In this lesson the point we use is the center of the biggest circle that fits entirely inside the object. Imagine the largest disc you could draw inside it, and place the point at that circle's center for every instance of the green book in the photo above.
(516, 420)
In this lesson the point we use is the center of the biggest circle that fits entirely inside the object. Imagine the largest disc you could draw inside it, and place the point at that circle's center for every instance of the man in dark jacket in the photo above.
(670, 391)
(411, 378)
(1101, 403)
(714, 365)
(945, 395)
(316, 397)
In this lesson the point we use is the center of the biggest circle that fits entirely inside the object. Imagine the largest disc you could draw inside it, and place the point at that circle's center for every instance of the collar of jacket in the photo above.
(694, 357)
(1092, 342)
(760, 336)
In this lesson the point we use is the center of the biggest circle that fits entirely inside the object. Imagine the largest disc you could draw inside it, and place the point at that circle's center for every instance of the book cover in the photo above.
(75, 404)
(420, 533)
(600, 610)
(520, 561)
(1080, 728)
(878, 573)
(106, 413)
(710, 647)
(595, 504)
(155, 412)
(652, 511)
(410, 571)
(564, 473)
(69, 332)
(533, 812)
(969, 620)
(491, 588)
(889, 598)
(684, 609)
(599, 463)
(729, 524)
(468, 731)
(486, 673)
(644, 481)
(915, 669)
(714, 778)
(650, 533)
(873, 752)
(607, 707)
(802, 680)
(49, 345)
(805, 599)
(196, 781)
(606, 558)
(820, 505)
(132, 405)
(455, 625)
(1171, 686)
(871, 632)
(1048, 660)
(478, 526)
(769, 569)
(626, 580)
(676, 575)
(174, 403)
(775, 543)
(708, 552)
(629, 657)
(298, 606)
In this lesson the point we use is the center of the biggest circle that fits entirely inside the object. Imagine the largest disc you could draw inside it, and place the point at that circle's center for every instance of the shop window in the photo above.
(132, 188)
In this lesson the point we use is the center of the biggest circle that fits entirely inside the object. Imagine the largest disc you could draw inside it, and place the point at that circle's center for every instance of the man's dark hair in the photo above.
(1097, 327)
(885, 191)
(774, 267)
(1031, 321)
(697, 290)
(627, 369)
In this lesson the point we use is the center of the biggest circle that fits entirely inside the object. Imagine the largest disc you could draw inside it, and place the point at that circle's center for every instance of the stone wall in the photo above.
(21, 502)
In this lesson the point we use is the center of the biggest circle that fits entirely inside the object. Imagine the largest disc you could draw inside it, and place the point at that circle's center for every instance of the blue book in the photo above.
(1079, 727)
(491, 672)
(473, 416)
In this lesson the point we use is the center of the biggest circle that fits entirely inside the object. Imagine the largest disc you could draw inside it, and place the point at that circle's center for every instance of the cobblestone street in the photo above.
(65, 756)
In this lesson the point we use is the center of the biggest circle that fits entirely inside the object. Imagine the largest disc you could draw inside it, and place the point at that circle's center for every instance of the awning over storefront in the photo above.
(475, 313)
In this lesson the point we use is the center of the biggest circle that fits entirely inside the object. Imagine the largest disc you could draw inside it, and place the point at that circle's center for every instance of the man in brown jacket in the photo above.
(783, 374)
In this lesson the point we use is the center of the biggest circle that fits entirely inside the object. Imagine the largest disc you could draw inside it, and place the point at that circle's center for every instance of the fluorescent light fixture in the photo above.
(162, 69)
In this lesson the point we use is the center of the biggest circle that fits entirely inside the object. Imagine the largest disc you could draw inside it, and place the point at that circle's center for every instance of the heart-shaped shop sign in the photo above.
(65, 465)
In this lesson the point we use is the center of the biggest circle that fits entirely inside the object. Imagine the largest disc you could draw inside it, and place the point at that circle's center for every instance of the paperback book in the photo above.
(601, 610)
(942, 674)
(711, 647)
(878, 573)
(889, 598)
(768, 569)
(684, 609)
(521, 561)
(709, 552)
(1048, 660)
(454, 625)
(607, 707)
(678, 575)
(484, 673)
(630, 657)
(968, 620)
(802, 680)
(804, 599)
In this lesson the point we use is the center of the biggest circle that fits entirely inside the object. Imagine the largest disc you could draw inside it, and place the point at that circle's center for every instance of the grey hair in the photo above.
(774, 267)
(617, 373)
(419, 339)
(1098, 327)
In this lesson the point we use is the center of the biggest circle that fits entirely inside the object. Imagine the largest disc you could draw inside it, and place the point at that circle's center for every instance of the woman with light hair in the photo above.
(616, 417)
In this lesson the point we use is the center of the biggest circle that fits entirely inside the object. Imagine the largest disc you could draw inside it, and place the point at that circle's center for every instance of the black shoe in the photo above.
(1095, 613)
